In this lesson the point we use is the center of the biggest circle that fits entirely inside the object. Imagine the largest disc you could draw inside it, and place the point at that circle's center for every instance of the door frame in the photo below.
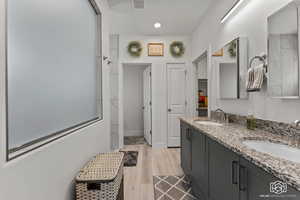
(121, 99)
(167, 96)
(149, 67)
(208, 52)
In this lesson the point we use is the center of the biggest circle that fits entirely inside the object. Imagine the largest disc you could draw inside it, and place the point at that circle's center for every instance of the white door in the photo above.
(147, 106)
(176, 80)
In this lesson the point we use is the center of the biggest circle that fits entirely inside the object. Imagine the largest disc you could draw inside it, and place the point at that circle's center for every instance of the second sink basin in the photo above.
(275, 149)
(208, 123)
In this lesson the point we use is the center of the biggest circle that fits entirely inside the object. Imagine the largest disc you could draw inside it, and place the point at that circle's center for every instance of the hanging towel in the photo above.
(250, 78)
(255, 78)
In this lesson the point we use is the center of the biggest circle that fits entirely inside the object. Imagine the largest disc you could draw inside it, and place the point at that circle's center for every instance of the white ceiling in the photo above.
(178, 17)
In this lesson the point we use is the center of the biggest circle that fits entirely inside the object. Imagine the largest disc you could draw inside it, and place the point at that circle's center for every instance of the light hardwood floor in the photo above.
(138, 181)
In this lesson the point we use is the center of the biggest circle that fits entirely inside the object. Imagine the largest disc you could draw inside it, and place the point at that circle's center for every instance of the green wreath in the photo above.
(135, 48)
(232, 50)
(177, 49)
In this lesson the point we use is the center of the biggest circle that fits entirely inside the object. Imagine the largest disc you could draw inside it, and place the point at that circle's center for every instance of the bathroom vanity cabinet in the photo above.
(199, 176)
(217, 173)
(255, 184)
(194, 159)
(186, 150)
(222, 172)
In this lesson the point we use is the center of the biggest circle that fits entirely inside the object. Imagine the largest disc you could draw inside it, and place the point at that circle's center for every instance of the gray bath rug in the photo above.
(172, 188)
(130, 158)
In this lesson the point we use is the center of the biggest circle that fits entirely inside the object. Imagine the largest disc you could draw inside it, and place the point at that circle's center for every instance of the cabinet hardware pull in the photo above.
(243, 178)
(234, 166)
(188, 134)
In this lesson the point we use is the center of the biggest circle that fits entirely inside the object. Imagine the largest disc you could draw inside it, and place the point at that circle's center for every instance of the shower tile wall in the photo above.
(114, 90)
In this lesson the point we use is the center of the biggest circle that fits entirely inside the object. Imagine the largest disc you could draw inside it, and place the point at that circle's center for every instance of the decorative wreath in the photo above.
(232, 50)
(177, 49)
(135, 48)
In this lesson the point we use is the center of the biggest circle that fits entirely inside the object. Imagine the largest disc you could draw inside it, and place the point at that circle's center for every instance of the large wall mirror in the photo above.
(232, 61)
(283, 50)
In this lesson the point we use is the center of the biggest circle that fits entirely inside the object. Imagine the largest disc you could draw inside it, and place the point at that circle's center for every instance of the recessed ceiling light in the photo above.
(157, 25)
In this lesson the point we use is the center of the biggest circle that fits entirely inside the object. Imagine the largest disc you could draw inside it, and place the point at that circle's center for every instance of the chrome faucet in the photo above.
(297, 123)
(224, 114)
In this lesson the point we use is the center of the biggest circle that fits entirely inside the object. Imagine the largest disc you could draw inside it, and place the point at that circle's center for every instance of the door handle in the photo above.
(243, 179)
(169, 110)
(234, 169)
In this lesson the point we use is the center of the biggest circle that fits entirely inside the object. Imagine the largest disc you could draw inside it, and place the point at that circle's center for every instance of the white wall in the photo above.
(133, 100)
(284, 21)
(250, 20)
(202, 67)
(159, 81)
(48, 172)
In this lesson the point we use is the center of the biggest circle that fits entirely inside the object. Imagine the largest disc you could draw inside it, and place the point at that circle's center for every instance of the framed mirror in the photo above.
(283, 51)
(232, 62)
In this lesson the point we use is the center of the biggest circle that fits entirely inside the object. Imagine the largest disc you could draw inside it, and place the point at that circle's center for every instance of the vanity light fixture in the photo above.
(157, 25)
(235, 6)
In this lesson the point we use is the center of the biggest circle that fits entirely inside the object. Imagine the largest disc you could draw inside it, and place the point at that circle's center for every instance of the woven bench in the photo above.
(101, 178)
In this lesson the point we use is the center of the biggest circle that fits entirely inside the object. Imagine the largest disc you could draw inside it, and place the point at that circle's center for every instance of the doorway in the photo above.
(137, 106)
(201, 85)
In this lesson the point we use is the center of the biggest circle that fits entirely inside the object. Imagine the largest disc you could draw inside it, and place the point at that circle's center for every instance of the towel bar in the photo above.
(262, 58)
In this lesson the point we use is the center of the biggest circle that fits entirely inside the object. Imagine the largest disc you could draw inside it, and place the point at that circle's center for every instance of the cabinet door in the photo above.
(223, 172)
(255, 184)
(186, 154)
(199, 165)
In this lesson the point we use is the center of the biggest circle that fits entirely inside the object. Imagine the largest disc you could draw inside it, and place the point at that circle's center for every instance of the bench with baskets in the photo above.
(101, 178)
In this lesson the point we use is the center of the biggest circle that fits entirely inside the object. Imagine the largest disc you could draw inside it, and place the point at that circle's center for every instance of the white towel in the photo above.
(250, 78)
(255, 78)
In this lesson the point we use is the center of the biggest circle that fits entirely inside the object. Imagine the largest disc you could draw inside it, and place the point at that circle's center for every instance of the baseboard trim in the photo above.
(134, 133)
(159, 145)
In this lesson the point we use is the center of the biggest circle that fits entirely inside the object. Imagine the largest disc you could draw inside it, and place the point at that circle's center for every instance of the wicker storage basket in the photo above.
(101, 178)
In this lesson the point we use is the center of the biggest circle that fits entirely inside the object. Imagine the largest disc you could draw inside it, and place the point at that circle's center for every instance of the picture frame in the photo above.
(218, 53)
(155, 49)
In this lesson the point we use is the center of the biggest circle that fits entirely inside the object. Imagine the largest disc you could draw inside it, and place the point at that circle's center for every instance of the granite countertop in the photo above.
(232, 136)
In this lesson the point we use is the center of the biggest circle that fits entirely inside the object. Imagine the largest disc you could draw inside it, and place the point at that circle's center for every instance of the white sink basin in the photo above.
(275, 149)
(208, 123)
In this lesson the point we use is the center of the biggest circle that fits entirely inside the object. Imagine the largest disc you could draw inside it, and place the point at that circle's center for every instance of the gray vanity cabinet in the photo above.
(199, 176)
(217, 173)
(223, 172)
(186, 149)
(255, 184)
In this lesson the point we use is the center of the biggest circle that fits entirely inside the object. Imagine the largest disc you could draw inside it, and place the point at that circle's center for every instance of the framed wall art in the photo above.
(155, 49)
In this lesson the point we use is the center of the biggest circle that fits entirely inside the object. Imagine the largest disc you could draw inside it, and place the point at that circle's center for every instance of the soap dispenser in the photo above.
(251, 121)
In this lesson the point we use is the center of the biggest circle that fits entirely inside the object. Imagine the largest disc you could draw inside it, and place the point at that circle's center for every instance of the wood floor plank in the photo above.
(138, 181)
